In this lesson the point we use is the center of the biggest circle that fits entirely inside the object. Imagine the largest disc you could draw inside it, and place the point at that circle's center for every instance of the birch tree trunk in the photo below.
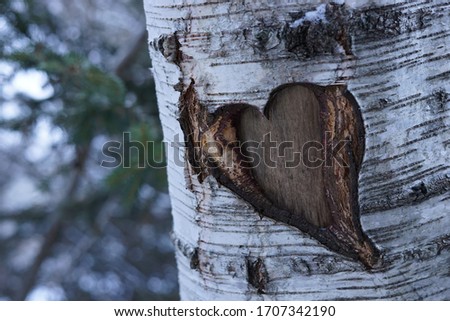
(394, 58)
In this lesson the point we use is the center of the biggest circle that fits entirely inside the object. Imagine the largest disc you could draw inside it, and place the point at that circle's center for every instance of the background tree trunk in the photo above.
(394, 58)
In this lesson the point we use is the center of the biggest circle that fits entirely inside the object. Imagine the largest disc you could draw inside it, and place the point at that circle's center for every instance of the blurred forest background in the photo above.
(73, 76)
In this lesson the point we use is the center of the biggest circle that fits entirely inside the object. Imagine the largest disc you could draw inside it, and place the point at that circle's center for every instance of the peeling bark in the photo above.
(393, 58)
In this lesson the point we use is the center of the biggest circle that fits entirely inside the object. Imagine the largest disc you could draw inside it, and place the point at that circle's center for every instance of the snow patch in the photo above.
(32, 83)
(45, 136)
(47, 293)
(317, 15)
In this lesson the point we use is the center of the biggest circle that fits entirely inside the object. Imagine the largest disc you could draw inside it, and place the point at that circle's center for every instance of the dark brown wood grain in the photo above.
(289, 169)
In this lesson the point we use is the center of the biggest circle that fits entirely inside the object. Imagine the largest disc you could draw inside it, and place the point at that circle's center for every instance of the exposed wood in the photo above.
(317, 192)
(295, 180)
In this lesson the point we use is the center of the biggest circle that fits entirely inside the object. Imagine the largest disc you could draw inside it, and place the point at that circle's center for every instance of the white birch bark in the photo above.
(399, 72)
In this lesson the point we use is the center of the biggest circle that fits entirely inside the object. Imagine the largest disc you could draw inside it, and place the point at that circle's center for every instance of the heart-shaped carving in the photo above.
(297, 162)
(286, 153)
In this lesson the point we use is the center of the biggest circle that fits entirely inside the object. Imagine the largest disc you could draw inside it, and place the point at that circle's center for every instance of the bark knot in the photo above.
(326, 31)
(257, 275)
(169, 46)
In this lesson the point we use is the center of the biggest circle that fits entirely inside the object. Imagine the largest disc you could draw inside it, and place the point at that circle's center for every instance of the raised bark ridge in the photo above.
(318, 193)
